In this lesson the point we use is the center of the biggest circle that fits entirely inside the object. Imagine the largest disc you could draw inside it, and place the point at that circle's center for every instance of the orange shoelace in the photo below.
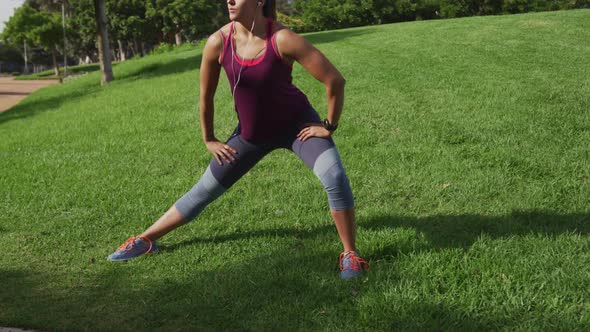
(357, 262)
(131, 240)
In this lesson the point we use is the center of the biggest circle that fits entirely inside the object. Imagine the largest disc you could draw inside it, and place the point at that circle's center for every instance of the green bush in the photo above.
(162, 48)
(426, 9)
(293, 23)
(515, 6)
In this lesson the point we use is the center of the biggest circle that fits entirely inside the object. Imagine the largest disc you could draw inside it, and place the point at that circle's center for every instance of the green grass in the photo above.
(465, 142)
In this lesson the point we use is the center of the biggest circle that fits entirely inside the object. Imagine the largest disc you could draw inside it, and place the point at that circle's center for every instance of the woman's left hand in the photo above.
(313, 129)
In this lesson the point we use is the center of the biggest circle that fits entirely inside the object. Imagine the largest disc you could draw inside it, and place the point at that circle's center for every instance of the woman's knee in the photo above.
(330, 171)
(208, 189)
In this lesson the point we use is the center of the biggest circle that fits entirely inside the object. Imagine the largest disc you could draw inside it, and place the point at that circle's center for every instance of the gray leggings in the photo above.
(319, 154)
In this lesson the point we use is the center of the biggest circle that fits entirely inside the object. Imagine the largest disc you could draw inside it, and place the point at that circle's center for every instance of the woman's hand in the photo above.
(313, 129)
(221, 150)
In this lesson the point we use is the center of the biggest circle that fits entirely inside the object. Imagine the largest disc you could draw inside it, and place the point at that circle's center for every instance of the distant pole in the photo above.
(63, 20)
(26, 60)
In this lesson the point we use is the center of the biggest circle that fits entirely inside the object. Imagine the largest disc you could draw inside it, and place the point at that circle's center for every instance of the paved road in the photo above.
(11, 91)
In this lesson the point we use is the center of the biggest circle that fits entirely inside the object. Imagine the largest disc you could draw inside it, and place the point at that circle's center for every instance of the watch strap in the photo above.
(329, 126)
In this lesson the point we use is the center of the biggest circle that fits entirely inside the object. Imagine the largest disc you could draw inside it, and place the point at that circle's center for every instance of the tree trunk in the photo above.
(121, 50)
(55, 64)
(137, 49)
(130, 49)
(104, 52)
(178, 37)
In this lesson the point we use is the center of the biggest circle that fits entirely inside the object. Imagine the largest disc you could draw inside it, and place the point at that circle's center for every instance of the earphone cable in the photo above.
(232, 60)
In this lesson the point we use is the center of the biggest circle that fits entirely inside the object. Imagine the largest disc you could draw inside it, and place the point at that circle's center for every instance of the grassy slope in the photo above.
(465, 141)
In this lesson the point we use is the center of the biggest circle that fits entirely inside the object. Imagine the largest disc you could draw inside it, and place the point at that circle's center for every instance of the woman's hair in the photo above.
(270, 9)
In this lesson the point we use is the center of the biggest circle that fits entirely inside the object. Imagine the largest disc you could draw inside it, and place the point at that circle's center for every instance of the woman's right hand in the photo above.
(221, 150)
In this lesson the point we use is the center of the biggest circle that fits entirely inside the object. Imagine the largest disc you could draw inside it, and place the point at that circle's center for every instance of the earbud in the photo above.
(259, 3)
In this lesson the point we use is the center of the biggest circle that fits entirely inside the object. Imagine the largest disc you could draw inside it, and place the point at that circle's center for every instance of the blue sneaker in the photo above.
(135, 246)
(352, 265)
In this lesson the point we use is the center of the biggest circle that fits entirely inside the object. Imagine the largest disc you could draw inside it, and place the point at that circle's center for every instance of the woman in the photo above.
(272, 113)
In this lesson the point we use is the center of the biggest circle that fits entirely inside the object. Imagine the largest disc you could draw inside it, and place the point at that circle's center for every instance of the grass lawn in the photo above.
(466, 142)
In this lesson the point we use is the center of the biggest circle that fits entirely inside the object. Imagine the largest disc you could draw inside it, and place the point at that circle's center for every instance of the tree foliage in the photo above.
(135, 24)
(334, 14)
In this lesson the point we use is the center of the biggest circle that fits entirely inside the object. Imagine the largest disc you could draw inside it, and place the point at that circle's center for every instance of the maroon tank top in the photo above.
(267, 102)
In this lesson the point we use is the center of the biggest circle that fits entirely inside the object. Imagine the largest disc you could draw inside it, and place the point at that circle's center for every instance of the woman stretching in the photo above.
(272, 113)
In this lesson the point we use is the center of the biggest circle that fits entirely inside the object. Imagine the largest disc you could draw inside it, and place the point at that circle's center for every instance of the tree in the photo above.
(190, 18)
(16, 32)
(128, 22)
(43, 29)
(102, 35)
(82, 23)
(48, 34)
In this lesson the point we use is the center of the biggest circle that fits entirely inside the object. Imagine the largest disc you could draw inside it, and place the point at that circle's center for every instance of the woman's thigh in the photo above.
(248, 155)
(313, 147)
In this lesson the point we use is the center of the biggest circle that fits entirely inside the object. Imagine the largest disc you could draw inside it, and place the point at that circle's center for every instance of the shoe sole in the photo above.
(127, 259)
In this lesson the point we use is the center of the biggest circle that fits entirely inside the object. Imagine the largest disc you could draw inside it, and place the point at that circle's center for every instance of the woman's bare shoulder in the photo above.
(225, 29)
(283, 37)
(278, 27)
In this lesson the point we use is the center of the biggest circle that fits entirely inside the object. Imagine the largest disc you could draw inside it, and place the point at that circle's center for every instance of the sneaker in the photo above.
(352, 265)
(134, 246)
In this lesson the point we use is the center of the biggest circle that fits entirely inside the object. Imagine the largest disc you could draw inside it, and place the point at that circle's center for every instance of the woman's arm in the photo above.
(210, 69)
(296, 47)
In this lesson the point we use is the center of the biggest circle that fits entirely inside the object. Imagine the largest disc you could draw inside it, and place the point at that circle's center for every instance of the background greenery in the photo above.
(465, 141)
(135, 27)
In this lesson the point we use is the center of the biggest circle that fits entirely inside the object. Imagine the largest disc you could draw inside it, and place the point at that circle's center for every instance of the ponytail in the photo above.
(270, 9)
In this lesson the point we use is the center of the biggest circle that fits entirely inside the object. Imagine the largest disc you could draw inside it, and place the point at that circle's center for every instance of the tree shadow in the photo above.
(283, 232)
(26, 108)
(461, 231)
(441, 231)
(14, 93)
(228, 297)
(176, 66)
(279, 290)
(335, 35)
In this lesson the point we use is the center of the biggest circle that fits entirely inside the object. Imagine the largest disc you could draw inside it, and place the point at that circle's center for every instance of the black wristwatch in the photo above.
(329, 126)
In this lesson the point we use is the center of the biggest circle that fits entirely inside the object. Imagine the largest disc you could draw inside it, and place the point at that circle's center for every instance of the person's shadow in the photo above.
(440, 231)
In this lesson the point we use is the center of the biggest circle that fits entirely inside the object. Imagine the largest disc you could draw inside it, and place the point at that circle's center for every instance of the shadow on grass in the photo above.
(176, 66)
(335, 35)
(13, 93)
(447, 231)
(280, 290)
(27, 108)
(275, 232)
(441, 231)
(273, 292)
(128, 296)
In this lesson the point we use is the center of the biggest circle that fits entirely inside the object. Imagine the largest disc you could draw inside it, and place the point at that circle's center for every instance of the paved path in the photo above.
(13, 329)
(11, 91)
